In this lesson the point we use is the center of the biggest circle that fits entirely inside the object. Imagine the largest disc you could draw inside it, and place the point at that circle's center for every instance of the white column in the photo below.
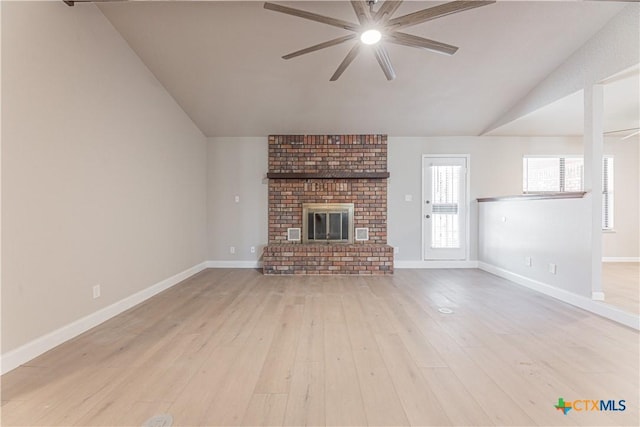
(593, 152)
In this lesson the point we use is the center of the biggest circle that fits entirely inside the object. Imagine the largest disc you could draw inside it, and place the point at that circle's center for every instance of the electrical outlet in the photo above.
(232, 249)
(96, 291)
(253, 249)
(552, 268)
(527, 261)
(237, 199)
(396, 249)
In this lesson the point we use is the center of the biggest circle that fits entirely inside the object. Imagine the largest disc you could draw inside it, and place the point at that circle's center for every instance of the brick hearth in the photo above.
(355, 167)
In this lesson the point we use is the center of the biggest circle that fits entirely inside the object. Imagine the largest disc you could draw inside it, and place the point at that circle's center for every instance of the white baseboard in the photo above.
(234, 264)
(14, 358)
(621, 259)
(580, 301)
(435, 264)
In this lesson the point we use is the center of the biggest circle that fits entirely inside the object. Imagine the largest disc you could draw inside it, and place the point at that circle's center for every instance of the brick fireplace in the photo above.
(318, 170)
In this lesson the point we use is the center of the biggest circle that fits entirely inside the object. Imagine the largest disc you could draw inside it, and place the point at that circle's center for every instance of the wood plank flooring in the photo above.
(234, 347)
(621, 285)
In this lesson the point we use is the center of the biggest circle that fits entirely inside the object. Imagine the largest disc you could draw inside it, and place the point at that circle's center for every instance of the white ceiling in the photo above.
(566, 116)
(221, 62)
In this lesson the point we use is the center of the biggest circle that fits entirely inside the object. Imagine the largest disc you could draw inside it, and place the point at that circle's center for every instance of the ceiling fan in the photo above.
(376, 27)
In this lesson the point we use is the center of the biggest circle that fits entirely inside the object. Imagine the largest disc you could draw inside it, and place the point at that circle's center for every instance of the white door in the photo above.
(444, 212)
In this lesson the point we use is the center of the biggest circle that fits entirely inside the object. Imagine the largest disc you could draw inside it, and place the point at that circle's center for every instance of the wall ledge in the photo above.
(535, 196)
(29, 351)
(585, 303)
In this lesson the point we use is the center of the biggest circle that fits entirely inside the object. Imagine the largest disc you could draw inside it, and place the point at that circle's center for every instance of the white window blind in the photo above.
(607, 193)
(445, 231)
(557, 174)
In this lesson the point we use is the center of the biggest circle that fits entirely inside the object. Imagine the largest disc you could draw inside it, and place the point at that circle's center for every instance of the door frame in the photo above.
(467, 158)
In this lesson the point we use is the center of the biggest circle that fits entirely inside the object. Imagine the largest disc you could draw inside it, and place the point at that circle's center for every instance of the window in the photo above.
(607, 193)
(557, 174)
(445, 225)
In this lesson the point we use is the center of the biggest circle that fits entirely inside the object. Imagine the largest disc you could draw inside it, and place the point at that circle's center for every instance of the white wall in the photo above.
(237, 167)
(548, 231)
(103, 175)
(495, 170)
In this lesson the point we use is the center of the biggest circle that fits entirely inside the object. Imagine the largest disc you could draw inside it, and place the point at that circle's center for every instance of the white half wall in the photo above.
(103, 175)
(548, 231)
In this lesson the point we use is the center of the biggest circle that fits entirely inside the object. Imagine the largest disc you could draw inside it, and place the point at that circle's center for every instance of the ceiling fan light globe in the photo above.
(371, 37)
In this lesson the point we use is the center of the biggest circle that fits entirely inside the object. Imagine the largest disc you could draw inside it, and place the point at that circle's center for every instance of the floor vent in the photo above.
(162, 420)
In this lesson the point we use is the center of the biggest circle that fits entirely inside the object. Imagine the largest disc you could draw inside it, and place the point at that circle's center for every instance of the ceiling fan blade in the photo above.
(385, 62)
(386, 10)
(421, 43)
(312, 16)
(320, 46)
(361, 10)
(345, 62)
(433, 13)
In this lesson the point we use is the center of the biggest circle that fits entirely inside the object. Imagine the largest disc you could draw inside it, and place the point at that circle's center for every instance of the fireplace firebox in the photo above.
(327, 223)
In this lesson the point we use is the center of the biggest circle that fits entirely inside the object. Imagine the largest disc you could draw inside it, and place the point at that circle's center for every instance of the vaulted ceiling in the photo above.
(222, 63)
(621, 115)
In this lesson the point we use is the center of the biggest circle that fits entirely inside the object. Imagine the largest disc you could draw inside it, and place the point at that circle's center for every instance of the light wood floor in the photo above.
(621, 285)
(232, 347)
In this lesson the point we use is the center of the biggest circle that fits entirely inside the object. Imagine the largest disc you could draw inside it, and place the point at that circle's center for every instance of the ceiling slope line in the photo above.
(591, 63)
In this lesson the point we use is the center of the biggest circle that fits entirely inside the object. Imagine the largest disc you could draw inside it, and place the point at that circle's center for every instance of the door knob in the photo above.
(427, 216)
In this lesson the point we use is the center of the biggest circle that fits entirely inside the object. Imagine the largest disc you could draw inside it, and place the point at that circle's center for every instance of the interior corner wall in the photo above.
(103, 174)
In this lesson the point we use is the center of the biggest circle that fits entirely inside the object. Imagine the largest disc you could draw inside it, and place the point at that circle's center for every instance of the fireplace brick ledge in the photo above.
(316, 258)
